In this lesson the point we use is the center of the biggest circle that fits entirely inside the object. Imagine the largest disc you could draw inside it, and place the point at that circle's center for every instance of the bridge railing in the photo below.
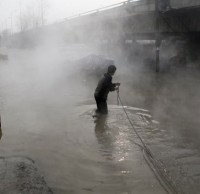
(174, 4)
(123, 3)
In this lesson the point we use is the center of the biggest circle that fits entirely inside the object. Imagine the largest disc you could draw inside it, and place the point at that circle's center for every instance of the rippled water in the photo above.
(173, 100)
(45, 118)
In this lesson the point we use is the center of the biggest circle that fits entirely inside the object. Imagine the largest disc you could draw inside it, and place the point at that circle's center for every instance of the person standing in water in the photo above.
(105, 86)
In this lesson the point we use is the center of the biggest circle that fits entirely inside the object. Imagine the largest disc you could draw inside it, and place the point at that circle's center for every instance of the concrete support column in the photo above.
(0, 129)
(157, 60)
(157, 37)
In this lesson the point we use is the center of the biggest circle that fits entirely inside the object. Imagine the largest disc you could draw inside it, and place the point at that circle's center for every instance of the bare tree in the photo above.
(33, 16)
(42, 10)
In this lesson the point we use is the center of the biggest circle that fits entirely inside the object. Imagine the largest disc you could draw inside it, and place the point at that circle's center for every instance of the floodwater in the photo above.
(46, 115)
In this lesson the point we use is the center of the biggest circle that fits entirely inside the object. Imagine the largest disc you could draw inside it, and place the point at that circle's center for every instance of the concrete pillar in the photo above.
(157, 37)
(0, 129)
(157, 60)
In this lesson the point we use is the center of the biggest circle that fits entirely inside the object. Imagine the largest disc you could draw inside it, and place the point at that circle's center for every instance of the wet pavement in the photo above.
(18, 175)
(45, 117)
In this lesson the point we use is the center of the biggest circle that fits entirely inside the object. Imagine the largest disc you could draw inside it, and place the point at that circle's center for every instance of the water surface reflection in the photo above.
(103, 135)
(39, 99)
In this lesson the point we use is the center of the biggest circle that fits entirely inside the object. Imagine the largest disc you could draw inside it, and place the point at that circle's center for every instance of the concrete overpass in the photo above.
(127, 21)
(137, 19)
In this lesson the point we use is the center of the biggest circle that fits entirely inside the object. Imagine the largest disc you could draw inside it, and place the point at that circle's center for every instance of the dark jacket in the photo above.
(104, 86)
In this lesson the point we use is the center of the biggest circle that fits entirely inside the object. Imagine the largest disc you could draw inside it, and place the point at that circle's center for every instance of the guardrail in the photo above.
(175, 5)
(103, 9)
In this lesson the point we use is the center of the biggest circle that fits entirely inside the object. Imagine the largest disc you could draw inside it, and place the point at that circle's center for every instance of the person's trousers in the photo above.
(102, 107)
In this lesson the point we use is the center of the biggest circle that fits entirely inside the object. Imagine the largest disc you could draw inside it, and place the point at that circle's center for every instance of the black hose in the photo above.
(167, 184)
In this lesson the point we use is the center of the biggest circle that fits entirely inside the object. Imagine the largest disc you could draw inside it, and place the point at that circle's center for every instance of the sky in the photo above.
(55, 10)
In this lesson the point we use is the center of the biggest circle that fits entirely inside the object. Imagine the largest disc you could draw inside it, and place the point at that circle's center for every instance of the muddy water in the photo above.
(173, 100)
(40, 109)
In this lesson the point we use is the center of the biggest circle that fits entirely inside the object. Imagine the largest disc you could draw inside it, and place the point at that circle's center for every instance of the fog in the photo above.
(46, 86)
